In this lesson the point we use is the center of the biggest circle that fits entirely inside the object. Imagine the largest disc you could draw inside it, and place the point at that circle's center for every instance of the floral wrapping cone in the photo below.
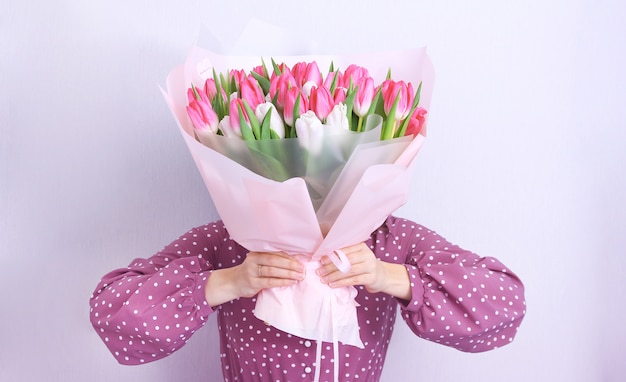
(338, 197)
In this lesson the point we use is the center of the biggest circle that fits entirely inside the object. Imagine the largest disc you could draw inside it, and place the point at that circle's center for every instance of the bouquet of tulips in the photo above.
(304, 162)
(300, 102)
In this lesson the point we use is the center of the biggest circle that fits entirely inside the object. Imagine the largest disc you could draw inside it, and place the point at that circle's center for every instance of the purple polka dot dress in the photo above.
(151, 308)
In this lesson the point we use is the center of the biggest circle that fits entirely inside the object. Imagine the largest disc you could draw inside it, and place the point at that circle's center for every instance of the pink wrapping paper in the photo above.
(266, 215)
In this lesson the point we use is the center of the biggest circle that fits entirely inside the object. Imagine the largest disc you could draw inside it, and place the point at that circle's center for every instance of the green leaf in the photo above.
(264, 83)
(196, 95)
(265, 126)
(219, 103)
(333, 84)
(233, 84)
(265, 72)
(377, 97)
(401, 131)
(225, 84)
(216, 79)
(349, 102)
(418, 93)
(254, 122)
(276, 68)
(246, 132)
(390, 122)
(267, 164)
(296, 111)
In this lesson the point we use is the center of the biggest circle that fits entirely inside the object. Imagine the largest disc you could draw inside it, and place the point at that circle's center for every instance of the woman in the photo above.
(446, 294)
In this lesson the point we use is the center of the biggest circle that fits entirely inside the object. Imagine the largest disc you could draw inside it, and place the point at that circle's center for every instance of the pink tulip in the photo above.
(364, 96)
(194, 94)
(397, 89)
(321, 102)
(191, 95)
(306, 72)
(202, 115)
(416, 122)
(282, 68)
(260, 70)
(279, 86)
(206, 94)
(353, 73)
(235, 106)
(293, 95)
(339, 95)
(331, 77)
(238, 75)
(211, 90)
(250, 90)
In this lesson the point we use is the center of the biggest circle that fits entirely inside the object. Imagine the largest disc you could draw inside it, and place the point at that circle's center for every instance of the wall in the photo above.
(524, 161)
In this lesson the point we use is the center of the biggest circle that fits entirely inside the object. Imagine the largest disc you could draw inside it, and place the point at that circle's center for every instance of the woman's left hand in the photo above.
(375, 275)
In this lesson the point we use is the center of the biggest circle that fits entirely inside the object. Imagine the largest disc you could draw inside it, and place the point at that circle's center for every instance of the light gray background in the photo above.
(524, 161)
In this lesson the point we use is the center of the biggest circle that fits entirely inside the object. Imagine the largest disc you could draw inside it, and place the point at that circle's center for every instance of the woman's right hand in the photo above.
(258, 271)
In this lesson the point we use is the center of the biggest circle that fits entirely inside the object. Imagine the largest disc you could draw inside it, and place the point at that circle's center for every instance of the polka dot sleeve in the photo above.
(459, 299)
(151, 308)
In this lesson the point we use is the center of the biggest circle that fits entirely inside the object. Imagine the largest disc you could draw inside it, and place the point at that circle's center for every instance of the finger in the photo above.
(279, 260)
(263, 264)
(335, 274)
(349, 280)
(273, 282)
(354, 254)
(268, 271)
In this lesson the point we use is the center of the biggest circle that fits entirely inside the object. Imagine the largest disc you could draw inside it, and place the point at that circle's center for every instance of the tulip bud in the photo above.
(279, 86)
(353, 74)
(338, 117)
(399, 93)
(276, 123)
(203, 117)
(250, 90)
(307, 72)
(309, 130)
(416, 122)
(227, 129)
(364, 96)
(321, 102)
(295, 105)
(236, 109)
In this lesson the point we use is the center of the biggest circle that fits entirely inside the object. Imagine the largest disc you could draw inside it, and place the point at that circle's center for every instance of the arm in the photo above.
(447, 294)
(459, 299)
(151, 308)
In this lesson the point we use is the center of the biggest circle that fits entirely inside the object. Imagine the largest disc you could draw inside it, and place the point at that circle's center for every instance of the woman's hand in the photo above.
(375, 275)
(258, 271)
